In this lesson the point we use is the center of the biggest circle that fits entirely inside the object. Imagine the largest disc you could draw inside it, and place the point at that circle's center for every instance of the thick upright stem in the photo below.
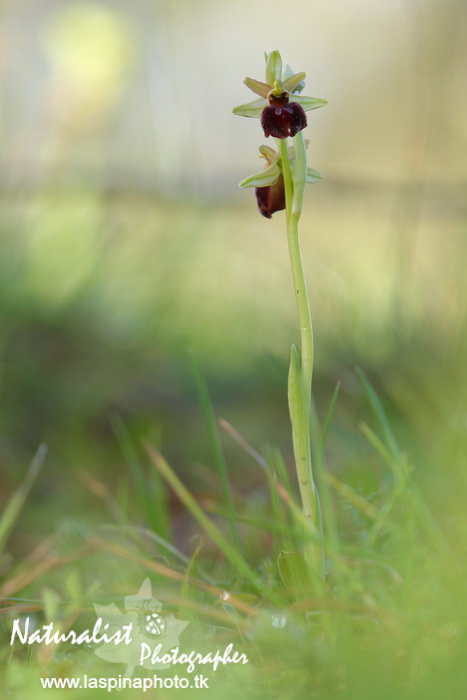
(303, 307)
(300, 377)
(294, 190)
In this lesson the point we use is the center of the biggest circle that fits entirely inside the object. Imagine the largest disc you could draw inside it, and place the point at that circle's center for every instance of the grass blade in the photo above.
(329, 415)
(153, 503)
(217, 451)
(379, 412)
(279, 513)
(329, 520)
(229, 551)
(399, 465)
(17, 500)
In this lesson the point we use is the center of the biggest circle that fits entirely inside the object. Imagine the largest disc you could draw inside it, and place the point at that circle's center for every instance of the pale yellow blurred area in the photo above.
(90, 49)
(146, 89)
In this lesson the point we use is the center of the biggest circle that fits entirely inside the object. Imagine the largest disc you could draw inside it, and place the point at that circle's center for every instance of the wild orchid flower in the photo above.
(281, 108)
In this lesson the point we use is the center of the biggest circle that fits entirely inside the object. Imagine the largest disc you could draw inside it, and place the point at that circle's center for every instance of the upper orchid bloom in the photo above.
(281, 108)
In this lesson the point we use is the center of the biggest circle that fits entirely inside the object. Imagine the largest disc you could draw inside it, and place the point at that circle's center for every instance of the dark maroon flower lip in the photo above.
(271, 199)
(282, 118)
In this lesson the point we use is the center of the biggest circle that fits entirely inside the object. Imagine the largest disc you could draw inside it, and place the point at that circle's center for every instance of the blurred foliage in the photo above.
(104, 295)
(125, 245)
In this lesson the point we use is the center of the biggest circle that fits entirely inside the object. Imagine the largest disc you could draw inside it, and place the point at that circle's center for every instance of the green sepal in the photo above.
(288, 73)
(297, 575)
(269, 153)
(251, 109)
(267, 177)
(294, 81)
(258, 87)
(313, 175)
(274, 68)
(308, 103)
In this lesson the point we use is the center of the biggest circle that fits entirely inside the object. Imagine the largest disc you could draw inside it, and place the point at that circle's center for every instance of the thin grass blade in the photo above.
(18, 499)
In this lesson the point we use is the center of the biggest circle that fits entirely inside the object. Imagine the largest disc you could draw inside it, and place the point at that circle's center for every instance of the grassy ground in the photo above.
(105, 300)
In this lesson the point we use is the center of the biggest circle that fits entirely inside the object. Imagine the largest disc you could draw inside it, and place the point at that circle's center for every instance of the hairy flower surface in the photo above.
(281, 118)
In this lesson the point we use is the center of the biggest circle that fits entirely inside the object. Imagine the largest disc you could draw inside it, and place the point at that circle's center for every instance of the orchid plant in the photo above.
(280, 185)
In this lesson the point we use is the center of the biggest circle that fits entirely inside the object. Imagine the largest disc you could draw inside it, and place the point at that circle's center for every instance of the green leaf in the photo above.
(274, 68)
(296, 574)
(257, 87)
(265, 178)
(294, 81)
(313, 175)
(308, 103)
(251, 109)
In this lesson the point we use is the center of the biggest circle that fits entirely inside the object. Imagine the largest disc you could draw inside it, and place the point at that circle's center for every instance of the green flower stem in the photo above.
(301, 367)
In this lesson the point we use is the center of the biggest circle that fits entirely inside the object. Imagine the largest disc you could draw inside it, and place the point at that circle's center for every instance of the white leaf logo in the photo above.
(149, 626)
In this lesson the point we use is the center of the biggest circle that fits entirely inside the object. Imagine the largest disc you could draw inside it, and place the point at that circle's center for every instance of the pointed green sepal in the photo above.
(294, 82)
(308, 103)
(288, 73)
(313, 175)
(265, 178)
(274, 68)
(269, 153)
(258, 87)
(251, 109)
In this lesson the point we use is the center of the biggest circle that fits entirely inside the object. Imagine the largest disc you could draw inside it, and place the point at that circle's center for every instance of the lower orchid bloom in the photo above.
(269, 183)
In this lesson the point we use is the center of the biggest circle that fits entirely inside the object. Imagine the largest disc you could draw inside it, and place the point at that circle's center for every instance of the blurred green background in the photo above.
(126, 245)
